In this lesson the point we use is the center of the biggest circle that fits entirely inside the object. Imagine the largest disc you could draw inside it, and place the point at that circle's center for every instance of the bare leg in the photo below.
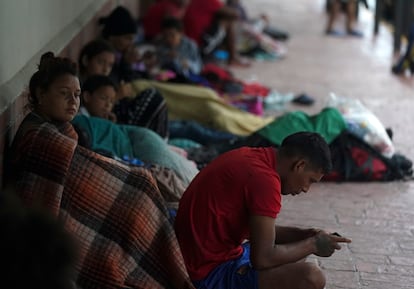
(350, 19)
(301, 275)
(234, 57)
(333, 14)
(350, 15)
(231, 40)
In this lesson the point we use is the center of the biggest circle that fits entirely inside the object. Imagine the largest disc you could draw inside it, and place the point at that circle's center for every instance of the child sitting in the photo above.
(147, 109)
(176, 51)
(96, 57)
(157, 11)
(98, 97)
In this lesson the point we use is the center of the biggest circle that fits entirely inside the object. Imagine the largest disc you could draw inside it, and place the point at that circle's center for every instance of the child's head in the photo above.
(96, 57)
(99, 95)
(54, 90)
(119, 29)
(172, 30)
(304, 157)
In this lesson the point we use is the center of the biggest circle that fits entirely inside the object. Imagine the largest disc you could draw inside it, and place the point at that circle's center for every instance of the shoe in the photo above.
(402, 162)
(396, 69)
(402, 65)
(334, 33)
(276, 33)
(389, 132)
(355, 33)
(303, 99)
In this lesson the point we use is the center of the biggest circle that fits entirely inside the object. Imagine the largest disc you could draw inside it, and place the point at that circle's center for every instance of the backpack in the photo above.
(355, 160)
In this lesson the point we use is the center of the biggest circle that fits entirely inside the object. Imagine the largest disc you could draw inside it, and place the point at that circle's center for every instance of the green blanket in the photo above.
(329, 123)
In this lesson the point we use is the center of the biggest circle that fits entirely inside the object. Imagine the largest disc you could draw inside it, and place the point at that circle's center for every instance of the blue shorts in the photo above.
(232, 274)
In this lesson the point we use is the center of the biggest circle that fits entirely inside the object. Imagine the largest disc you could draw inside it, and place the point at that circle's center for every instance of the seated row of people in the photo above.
(117, 214)
(180, 44)
(216, 25)
(94, 150)
(116, 202)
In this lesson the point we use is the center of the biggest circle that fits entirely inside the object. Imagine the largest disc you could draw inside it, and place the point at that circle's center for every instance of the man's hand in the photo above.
(310, 232)
(286, 235)
(326, 244)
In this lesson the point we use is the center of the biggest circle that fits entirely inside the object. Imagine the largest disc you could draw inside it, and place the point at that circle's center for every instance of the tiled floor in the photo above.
(378, 217)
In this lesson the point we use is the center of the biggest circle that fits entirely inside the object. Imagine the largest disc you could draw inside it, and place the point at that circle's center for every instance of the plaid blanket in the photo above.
(116, 212)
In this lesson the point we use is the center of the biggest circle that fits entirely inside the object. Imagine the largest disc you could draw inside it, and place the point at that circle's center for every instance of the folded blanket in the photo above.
(115, 212)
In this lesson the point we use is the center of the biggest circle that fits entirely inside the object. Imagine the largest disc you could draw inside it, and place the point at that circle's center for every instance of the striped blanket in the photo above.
(115, 212)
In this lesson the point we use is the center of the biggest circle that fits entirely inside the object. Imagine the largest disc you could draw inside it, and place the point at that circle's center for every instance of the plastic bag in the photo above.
(363, 123)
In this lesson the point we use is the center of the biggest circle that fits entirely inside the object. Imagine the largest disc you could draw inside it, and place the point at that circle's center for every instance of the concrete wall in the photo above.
(28, 28)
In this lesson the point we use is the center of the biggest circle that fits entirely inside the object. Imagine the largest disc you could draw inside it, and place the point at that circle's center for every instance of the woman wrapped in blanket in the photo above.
(147, 108)
(103, 203)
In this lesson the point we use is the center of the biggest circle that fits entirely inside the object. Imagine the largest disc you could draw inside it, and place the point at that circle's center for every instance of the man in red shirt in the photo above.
(225, 223)
(199, 17)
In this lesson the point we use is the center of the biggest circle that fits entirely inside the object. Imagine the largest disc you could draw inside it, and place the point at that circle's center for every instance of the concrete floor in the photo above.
(378, 217)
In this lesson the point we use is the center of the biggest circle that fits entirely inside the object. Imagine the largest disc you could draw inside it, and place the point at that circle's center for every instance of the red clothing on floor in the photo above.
(199, 16)
(156, 13)
(213, 215)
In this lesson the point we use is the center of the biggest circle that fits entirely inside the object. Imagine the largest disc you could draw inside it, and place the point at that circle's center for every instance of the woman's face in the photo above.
(101, 64)
(100, 102)
(60, 102)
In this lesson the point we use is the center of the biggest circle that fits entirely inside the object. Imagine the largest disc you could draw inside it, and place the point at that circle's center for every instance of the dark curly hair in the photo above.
(311, 146)
(119, 22)
(95, 82)
(49, 69)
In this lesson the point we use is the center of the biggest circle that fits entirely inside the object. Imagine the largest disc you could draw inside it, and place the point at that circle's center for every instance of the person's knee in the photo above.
(314, 276)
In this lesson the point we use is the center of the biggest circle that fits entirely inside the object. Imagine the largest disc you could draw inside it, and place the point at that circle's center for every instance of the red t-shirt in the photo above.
(213, 215)
(156, 13)
(199, 16)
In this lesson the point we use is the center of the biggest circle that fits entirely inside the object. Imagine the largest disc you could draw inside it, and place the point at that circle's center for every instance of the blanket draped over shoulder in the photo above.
(115, 212)
(135, 141)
